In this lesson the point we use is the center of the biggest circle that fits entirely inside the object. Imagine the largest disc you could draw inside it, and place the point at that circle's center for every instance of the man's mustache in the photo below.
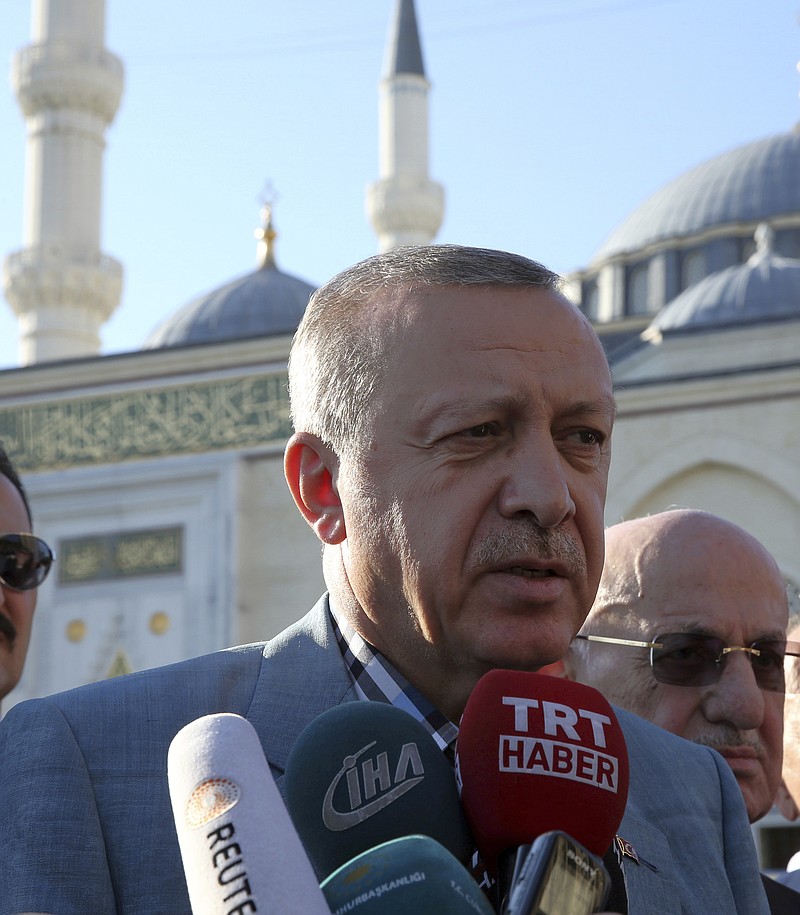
(526, 538)
(728, 736)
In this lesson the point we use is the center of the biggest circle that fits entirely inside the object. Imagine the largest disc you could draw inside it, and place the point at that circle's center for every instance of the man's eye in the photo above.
(767, 659)
(590, 437)
(690, 653)
(480, 431)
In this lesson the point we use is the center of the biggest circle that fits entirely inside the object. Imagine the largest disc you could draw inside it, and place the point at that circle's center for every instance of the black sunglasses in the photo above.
(695, 659)
(25, 561)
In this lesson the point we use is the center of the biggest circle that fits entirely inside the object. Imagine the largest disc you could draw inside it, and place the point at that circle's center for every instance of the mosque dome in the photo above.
(263, 303)
(755, 182)
(690, 243)
(764, 288)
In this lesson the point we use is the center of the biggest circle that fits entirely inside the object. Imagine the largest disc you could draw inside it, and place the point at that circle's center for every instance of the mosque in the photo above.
(157, 474)
(696, 296)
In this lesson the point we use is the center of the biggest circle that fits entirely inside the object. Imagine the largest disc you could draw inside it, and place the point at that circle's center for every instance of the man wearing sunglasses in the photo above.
(688, 630)
(24, 563)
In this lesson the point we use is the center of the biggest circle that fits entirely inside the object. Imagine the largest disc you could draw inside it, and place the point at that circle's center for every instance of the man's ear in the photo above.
(786, 803)
(311, 467)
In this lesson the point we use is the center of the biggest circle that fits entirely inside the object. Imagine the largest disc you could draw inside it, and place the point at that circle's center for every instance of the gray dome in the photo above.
(263, 303)
(764, 288)
(752, 183)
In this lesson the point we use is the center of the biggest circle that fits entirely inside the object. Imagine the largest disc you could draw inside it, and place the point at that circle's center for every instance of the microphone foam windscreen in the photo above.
(240, 851)
(364, 773)
(538, 753)
(412, 874)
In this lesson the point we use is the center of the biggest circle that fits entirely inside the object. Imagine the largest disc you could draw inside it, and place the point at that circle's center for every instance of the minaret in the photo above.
(61, 286)
(404, 206)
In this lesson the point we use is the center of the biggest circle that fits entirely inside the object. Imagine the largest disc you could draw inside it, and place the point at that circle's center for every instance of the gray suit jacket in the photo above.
(86, 822)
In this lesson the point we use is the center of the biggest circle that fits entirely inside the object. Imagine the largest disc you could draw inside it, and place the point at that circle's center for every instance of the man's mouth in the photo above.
(739, 752)
(530, 573)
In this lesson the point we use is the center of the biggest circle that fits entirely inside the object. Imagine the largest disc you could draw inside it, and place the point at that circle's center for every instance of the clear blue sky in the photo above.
(550, 122)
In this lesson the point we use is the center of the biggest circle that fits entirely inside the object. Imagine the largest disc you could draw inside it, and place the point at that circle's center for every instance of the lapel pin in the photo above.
(626, 850)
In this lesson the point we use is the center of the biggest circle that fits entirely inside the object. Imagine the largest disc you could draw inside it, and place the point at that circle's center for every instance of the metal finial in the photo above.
(266, 235)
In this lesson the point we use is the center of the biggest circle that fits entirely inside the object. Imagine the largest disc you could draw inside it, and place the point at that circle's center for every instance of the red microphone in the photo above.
(539, 754)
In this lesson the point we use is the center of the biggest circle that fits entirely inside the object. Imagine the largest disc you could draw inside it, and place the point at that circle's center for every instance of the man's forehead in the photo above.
(735, 625)
(406, 304)
(689, 554)
(652, 590)
(468, 347)
(512, 322)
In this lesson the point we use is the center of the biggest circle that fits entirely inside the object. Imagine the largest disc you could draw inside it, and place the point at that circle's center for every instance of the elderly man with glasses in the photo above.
(688, 630)
(25, 561)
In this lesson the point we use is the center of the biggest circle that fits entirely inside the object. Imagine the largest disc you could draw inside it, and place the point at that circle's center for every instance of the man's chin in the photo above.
(530, 649)
(756, 805)
(530, 660)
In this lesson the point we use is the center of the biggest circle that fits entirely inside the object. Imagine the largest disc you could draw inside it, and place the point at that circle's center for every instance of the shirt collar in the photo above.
(377, 680)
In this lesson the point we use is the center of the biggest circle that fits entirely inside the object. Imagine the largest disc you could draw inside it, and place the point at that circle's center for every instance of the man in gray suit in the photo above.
(453, 416)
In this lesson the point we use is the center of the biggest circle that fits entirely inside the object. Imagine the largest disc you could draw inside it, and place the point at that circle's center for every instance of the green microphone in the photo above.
(412, 874)
(364, 773)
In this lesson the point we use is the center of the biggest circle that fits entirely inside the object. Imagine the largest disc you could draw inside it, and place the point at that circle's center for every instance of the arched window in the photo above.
(693, 267)
(636, 298)
(591, 299)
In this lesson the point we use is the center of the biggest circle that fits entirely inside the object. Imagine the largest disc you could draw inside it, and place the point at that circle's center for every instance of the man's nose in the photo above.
(537, 484)
(736, 697)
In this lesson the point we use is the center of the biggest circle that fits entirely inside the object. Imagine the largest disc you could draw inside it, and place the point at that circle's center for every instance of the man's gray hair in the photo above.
(337, 356)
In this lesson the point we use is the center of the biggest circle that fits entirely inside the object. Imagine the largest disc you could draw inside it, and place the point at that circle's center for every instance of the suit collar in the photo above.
(302, 675)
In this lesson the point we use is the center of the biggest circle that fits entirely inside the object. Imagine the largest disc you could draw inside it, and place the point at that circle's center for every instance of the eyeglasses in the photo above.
(25, 561)
(695, 659)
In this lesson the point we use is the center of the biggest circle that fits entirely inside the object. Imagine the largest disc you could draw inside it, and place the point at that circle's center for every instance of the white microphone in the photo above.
(240, 851)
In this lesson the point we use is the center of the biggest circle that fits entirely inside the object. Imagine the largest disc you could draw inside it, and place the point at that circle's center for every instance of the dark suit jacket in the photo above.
(783, 900)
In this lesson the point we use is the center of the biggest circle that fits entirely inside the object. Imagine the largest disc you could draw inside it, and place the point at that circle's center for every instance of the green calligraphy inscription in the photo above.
(110, 556)
(182, 419)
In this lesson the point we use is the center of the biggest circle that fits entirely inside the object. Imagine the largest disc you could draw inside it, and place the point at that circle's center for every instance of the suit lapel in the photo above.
(645, 863)
(302, 675)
